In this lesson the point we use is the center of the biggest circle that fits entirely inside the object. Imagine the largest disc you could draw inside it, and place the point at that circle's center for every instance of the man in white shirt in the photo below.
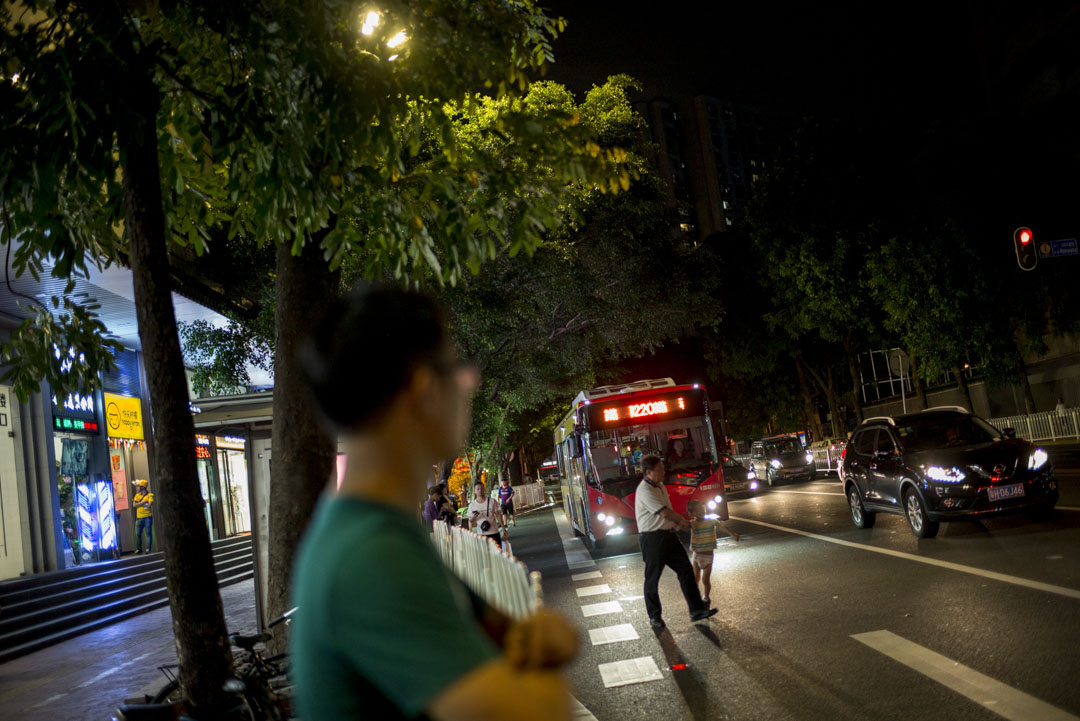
(657, 526)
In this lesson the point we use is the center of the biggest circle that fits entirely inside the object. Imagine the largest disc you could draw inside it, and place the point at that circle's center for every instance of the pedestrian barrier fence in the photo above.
(1046, 426)
(530, 494)
(500, 579)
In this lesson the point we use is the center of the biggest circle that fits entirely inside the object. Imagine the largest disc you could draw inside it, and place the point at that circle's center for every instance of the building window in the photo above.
(728, 221)
(727, 206)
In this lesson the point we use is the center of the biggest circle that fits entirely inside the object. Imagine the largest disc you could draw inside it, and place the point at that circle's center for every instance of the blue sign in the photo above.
(1058, 248)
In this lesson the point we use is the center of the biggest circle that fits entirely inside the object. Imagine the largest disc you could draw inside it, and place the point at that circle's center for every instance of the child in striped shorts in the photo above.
(703, 543)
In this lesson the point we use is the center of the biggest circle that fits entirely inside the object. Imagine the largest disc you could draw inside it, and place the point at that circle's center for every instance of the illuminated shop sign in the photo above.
(231, 442)
(75, 425)
(662, 407)
(124, 417)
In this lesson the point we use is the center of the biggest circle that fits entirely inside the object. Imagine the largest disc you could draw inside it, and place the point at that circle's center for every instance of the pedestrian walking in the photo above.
(144, 516)
(703, 545)
(506, 501)
(384, 630)
(658, 526)
(485, 517)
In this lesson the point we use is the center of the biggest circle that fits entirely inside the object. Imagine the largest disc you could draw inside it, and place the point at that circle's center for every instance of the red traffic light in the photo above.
(1026, 257)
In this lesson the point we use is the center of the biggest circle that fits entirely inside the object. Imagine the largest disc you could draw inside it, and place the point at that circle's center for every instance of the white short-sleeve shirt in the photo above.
(488, 508)
(649, 501)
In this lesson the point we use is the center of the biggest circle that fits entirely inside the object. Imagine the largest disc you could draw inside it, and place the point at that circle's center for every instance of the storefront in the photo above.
(12, 562)
(86, 502)
(223, 480)
(128, 461)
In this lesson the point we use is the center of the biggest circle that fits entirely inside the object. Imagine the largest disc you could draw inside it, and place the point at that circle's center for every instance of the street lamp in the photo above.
(371, 20)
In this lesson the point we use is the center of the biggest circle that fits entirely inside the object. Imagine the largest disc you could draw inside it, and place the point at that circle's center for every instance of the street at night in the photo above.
(812, 611)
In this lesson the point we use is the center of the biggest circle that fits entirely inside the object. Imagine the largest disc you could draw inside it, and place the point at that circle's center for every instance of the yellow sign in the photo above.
(123, 417)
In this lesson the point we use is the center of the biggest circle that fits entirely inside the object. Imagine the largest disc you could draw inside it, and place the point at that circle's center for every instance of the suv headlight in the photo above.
(944, 475)
(775, 463)
(1037, 459)
(750, 475)
(809, 457)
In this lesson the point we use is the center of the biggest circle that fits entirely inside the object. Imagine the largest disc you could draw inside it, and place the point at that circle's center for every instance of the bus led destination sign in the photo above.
(670, 406)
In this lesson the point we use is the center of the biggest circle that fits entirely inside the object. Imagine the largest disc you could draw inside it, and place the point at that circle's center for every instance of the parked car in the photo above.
(781, 457)
(943, 464)
(738, 478)
(828, 454)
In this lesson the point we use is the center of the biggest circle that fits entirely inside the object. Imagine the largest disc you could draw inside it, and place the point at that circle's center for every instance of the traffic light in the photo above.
(1024, 245)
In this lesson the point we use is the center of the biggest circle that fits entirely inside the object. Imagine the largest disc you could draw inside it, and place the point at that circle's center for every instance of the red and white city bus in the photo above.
(601, 441)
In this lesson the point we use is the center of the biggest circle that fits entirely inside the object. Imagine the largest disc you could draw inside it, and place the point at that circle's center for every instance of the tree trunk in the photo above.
(856, 387)
(811, 416)
(961, 383)
(303, 452)
(202, 644)
(1025, 384)
(832, 398)
(920, 388)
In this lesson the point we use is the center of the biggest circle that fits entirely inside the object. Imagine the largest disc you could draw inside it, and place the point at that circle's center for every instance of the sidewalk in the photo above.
(84, 679)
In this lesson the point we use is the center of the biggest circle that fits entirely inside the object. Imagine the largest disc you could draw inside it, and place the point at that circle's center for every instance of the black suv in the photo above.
(942, 464)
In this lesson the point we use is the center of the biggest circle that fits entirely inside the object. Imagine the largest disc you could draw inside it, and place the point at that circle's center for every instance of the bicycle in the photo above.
(261, 684)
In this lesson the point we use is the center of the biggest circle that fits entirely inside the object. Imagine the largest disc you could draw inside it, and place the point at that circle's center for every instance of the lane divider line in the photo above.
(1002, 699)
(993, 575)
(812, 493)
(577, 555)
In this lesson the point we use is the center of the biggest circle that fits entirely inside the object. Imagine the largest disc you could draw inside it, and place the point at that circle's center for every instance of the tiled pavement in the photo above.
(85, 678)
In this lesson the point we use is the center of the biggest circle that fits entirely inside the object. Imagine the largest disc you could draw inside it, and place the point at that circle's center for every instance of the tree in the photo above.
(133, 126)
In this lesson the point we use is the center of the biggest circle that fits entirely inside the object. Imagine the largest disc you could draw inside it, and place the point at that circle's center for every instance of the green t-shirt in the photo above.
(382, 625)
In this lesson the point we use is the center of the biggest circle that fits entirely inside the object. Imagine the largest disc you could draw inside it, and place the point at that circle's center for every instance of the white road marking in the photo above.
(813, 493)
(613, 634)
(993, 575)
(577, 556)
(593, 590)
(998, 697)
(1068, 508)
(601, 609)
(634, 670)
(578, 712)
(586, 576)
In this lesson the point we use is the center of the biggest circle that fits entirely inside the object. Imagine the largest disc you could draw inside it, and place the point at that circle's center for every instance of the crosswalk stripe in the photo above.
(601, 609)
(586, 576)
(593, 590)
(613, 634)
(634, 670)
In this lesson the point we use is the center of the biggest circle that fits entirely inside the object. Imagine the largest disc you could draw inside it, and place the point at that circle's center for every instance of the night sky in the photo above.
(782, 57)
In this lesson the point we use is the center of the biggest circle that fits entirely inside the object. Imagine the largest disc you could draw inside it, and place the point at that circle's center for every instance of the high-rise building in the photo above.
(710, 151)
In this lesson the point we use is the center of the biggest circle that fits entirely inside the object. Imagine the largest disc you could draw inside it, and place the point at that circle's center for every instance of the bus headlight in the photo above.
(711, 505)
(610, 521)
(719, 499)
(615, 531)
(600, 517)
(753, 486)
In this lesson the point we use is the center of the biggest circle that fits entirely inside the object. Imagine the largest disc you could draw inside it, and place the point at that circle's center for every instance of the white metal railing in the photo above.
(530, 494)
(500, 579)
(1046, 426)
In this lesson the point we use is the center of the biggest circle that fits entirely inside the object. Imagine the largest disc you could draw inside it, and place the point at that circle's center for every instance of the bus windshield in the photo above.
(684, 444)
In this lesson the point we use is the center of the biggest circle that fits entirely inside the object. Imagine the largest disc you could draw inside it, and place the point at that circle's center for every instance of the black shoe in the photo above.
(702, 615)
(657, 623)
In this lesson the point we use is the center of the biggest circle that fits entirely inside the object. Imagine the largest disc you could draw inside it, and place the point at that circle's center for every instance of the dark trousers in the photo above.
(148, 524)
(659, 549)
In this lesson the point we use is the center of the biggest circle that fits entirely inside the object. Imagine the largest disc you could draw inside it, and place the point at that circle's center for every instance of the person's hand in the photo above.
(683, 523)
(544, 640)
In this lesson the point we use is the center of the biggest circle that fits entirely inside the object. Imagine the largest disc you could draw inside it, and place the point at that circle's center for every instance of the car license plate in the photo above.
(1001, 493)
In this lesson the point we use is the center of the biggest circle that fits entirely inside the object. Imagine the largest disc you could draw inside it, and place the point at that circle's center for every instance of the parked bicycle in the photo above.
(261, 684)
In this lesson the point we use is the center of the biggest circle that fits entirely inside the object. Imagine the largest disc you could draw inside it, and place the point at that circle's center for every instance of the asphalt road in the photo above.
(820, 620)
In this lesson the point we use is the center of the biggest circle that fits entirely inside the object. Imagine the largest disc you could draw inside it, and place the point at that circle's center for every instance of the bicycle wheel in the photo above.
(169, 693)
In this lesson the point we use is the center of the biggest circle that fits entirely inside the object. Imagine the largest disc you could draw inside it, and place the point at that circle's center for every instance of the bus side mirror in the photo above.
(576, 449)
